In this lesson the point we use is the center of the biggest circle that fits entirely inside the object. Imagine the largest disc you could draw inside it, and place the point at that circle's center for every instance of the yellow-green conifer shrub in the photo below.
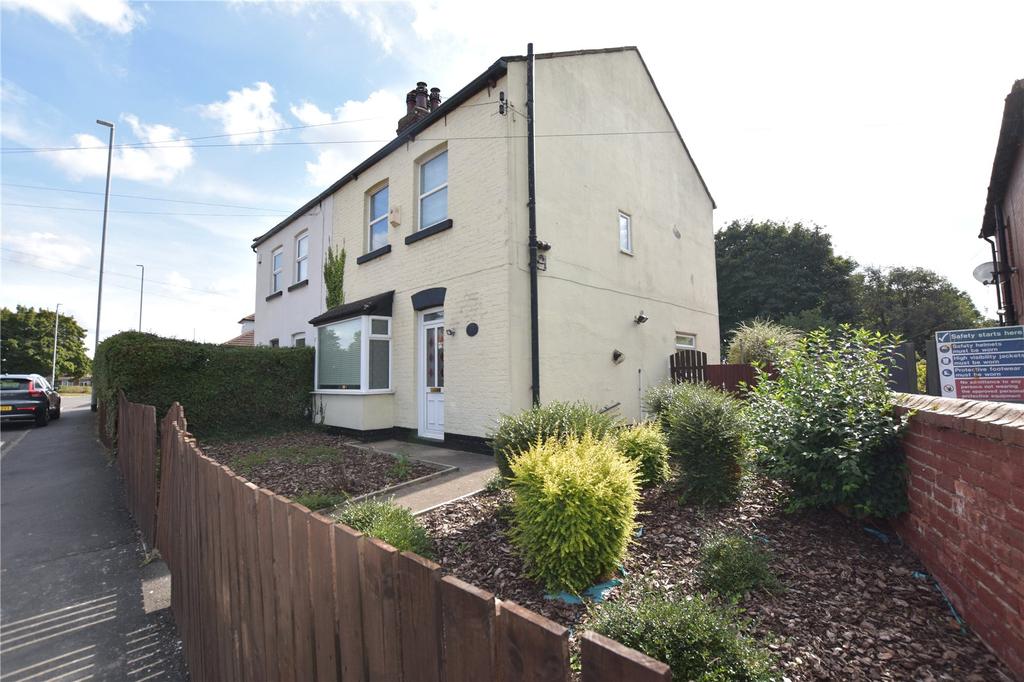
(574, 510)
(645, 444)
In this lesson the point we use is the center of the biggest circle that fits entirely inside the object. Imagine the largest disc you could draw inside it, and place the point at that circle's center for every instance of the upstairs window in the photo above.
(434, 190)
(302, 257)
(625, 233)
(378, 232)
(277, 270)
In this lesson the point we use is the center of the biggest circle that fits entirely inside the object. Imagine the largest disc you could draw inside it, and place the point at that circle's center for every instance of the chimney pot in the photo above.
(421, 95)
(435, 98)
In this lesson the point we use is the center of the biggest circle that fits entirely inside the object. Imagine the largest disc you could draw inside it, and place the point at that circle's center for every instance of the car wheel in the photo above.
(43, 418)
(56, 413)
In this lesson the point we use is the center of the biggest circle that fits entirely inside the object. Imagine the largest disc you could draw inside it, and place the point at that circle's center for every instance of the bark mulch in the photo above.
(851, 607)
(303, 462)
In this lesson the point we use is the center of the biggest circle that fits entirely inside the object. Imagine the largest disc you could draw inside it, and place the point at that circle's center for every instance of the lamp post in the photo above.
(56, 324)
(142, 283)
(103, 246)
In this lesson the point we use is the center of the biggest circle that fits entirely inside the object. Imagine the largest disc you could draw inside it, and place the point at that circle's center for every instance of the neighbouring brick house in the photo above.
(437, 331)
(1003, 224)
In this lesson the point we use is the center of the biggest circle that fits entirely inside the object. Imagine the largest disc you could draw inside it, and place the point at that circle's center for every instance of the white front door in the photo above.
(432, 374)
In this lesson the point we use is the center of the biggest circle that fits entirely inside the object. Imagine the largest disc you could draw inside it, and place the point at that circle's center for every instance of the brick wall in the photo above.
(966, 519)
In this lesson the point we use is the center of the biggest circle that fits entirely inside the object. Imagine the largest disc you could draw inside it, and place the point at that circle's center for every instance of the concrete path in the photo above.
(75, 603)
(473, 472)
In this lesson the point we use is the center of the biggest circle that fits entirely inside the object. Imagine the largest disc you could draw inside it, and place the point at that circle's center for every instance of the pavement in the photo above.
(76, 601)
(472, 471)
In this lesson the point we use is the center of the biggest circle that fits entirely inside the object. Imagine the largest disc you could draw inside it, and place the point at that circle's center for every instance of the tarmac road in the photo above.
(75, 601)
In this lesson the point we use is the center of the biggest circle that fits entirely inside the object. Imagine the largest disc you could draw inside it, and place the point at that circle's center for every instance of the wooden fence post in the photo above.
(467, 614)
(605, 660)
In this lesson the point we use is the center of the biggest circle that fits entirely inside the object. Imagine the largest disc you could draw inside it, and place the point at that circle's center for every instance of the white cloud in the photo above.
(142, 164)
(250, 111)
(371, 119)
(372, 17)
(116, 15)
(47, 249)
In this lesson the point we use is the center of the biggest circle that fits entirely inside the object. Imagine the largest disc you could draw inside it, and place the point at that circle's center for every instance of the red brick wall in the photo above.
(966, 519)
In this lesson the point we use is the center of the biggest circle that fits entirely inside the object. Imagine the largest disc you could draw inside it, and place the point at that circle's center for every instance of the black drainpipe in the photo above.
(997, 279)
(532, 203)
(1005, 267)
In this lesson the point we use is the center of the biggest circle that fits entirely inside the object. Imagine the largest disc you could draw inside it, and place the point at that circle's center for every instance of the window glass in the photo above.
(684, 341)
(302, 246)
(434, 190)
(299, 340)
(379, 327)
(380, 359)
(440, 356)
(302, 258)
(625, 233)
(378, 219)
(434, 173)
(433, 316)
(434, 208)
(431, 359)
(338, 355)
(277, 261)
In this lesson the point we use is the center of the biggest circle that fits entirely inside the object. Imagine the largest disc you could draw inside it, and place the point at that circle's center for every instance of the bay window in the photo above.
(354, 355)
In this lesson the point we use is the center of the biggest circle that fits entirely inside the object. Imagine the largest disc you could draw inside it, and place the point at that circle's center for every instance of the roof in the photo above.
(1008, 148)
(251, 317)
(373, 305)
(245, 339)
(493, 72)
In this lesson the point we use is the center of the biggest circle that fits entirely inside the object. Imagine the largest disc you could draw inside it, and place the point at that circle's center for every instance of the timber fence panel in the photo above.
(381, 633)
(302, 607)
(265, 540)
(282, 590)
(467, 614)
(136, 460)
(321, 588)
(529, 647)
(419, 590)
(252, 621)
(605, 660)
(349, 603)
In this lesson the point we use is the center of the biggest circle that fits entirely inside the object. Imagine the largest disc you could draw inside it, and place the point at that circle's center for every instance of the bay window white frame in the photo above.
(364, 358)
(423, 195)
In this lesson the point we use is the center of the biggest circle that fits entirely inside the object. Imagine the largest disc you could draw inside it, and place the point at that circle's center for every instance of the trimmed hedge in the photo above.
(225, 390)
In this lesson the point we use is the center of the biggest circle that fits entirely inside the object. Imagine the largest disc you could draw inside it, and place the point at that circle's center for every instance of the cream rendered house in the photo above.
(435, 336)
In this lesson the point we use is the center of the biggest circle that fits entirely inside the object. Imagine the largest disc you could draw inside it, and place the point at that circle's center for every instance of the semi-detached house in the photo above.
(435, 336)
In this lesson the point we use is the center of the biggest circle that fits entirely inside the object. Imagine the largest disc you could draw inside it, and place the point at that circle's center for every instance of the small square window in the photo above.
(625, 233)
(275, 343)
(299, 340)
(686, 341)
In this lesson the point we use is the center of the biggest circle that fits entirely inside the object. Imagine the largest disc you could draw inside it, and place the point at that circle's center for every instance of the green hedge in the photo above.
(225, 390)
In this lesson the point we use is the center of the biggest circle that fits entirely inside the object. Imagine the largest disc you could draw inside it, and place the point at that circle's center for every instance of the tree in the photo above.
(26, 343)
(914, 302)
(780, 271)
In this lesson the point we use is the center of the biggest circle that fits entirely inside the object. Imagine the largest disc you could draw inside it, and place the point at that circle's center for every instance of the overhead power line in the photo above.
(100, 210)
(139, 196)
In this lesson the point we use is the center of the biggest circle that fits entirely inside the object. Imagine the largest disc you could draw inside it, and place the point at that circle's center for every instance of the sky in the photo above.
(875, 120)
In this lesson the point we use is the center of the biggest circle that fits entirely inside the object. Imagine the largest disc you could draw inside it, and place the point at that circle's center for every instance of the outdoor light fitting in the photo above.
(641, 318)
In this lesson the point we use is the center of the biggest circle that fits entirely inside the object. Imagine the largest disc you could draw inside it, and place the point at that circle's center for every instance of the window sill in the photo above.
(342, 391)
(376, 253)
(428, 231)
(298, 285)
(624, 252)
(276, 294)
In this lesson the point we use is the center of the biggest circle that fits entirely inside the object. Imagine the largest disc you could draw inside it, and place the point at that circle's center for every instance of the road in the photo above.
(76, 601)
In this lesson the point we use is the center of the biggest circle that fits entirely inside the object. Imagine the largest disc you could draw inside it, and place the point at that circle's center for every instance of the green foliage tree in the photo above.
(334, 276)
(26, 343)
(914, 303)
(777, 270)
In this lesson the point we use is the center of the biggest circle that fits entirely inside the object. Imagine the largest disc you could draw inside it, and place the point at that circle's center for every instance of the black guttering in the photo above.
(495, 71)
(373, 305)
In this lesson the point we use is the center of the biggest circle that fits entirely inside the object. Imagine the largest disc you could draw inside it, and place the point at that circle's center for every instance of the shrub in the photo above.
(320, 500)
(574, 510)
(706, 437)
(761, 343)
(658, 398)
(698, 641)
(225, 390)
(517, 433)
(389, 522)
(644, 443)
(732, 565)
(827, 425)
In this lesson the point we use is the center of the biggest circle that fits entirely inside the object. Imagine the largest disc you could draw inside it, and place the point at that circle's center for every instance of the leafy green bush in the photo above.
(698, 640)
(517, 433)
(761, 343)
(732, 565)
(644, 443)
(706, 437)
(574, 510)
(389, 522)
(320, 500)
(826, 425)
(658, 398)
(225, 390)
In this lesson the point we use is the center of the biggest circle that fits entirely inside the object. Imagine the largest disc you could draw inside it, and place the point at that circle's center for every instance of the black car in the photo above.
(28, 397)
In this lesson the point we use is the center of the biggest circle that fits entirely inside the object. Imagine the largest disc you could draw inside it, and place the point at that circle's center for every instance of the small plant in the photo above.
(401, 468)
(732, 565)
(389, 522)
(574, 510)
(761, 343)
(516, 433)
(699, 641)
(706, 437)
(827, 425)
(496, 483)
(320, 500)
(644, 443)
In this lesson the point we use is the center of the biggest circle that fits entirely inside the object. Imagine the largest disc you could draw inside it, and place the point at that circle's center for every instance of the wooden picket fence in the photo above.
(137, 460)
(264, 589)
(691, 366)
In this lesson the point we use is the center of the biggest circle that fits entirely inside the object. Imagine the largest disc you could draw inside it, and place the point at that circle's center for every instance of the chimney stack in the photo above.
(419, 103)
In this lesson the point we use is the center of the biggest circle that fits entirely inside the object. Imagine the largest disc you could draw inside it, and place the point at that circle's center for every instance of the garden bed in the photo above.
(314, 468)
(854, 605)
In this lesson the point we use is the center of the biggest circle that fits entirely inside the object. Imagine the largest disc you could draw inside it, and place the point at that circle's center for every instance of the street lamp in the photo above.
(103, 246)
(56, 323)
(142, 283)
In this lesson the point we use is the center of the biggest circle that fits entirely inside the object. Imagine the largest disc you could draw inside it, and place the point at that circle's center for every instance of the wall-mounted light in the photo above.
(449, 331)
(618, 356)
(641, 318)
(543, 246)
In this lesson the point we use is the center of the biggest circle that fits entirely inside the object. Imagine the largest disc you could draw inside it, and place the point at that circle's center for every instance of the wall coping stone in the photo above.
(998, 421)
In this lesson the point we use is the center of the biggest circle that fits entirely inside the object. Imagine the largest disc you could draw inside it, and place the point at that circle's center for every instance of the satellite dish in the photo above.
(986, 273)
